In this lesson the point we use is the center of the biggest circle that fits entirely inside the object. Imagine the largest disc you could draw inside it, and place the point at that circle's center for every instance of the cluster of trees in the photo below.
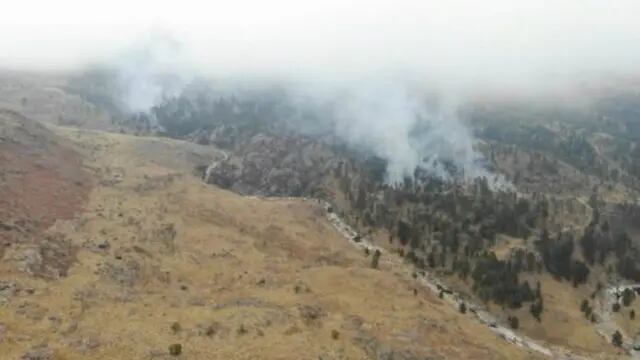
(557, 254)
(449, 226)
(599, 241)
(587, 310)
(198, 109)
(497, 280)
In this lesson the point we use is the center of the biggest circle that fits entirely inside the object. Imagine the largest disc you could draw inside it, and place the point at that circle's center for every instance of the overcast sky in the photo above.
(371, 59)
(461, 41)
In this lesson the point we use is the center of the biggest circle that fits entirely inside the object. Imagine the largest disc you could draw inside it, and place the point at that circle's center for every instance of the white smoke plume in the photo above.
(149, 72)
(398, 123)
(405, 50)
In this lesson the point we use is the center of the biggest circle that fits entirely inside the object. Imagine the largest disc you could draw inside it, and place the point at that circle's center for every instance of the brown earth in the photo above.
(41, 181)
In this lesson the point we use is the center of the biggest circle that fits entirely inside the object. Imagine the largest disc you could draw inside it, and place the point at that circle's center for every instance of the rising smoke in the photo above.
(370, 68)
(388, 118)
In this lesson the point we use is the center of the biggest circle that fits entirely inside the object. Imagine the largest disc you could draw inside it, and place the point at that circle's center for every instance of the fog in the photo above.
(374, 60)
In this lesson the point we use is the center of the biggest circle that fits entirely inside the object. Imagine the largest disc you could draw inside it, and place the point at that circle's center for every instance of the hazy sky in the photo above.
(371, 59)
(496, 41)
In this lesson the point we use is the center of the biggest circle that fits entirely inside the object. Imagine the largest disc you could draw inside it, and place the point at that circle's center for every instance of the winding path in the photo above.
(454, 299)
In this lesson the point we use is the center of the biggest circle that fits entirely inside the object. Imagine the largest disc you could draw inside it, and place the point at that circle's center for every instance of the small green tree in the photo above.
(514, 322)
(175, 349)
(616, 338)
(627, 297)
(376, 259)
(615, 307)
(584, 306)
(536, 310)
(462, 307)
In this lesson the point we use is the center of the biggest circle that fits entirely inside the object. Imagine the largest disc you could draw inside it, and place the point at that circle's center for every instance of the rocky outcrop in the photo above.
(39, 353)
(48, 258)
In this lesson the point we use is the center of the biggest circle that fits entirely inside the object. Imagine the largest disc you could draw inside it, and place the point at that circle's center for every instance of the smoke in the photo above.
(149, 72)
(401, 124)
(381, 118)
(378, 64)
(386, 117)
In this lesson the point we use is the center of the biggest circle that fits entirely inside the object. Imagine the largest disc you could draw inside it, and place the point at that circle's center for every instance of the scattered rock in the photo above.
(311, 314)
(636, 343)
(301, 288)
(99, 246)
(49, 259)
(125, 273)
(7, 290)
(31, 311)
(292, 330)
(86, 343)
(41, 353)
(208, 329)
(70, 328)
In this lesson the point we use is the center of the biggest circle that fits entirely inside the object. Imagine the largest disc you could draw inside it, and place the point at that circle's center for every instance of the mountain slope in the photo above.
(162, 258)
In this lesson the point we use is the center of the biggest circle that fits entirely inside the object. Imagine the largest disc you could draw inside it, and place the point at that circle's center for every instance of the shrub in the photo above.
(616, 338)
(462, 307)
(536, 310)
(335, 334)
(175, 327)
(175, 349)
(514, 322)
(584, 306)
(376, 259)
(628, 296)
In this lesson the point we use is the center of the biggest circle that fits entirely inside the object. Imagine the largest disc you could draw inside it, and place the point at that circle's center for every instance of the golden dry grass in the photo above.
(245, 278)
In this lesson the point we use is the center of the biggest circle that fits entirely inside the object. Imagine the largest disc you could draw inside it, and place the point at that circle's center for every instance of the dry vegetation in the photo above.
(163, 259)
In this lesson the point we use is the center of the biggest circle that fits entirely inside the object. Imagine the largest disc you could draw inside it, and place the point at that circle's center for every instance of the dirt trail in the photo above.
(433, 284)
(606, 326)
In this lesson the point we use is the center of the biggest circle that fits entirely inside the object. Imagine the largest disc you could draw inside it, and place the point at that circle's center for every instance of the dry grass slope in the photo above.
(242, 278)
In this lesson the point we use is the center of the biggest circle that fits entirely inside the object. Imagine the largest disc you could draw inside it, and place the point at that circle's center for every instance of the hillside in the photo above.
(161, 258)
(219, 220)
